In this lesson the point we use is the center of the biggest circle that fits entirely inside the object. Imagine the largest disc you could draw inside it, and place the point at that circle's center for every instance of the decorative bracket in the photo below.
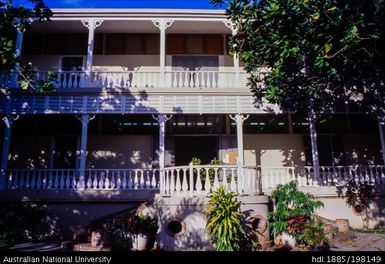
(92, 23)
(239, 117)
(90, 118)
(162, 23)
(8, 120)
(231, 26)
(161, 117)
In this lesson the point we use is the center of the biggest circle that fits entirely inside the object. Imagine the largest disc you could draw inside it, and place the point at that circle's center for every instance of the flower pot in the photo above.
(139, 242)
(288, 240)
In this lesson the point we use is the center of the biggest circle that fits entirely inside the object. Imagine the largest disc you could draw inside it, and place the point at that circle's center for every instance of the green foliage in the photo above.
(17, 18)
(28, 74)
(142, 224)
(202, 172)
(314, 234)
(317, 52)
(293, 209)
(21, 222)
(359, 194)
(224, 221)
(121, 238)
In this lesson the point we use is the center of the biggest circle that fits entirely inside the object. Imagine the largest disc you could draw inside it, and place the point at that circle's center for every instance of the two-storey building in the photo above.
(140, 91)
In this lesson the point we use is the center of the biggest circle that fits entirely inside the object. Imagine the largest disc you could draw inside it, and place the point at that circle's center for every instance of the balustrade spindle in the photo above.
(184, 183)
(198, 182)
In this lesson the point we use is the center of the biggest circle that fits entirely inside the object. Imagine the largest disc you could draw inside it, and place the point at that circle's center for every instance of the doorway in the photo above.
(187, 147)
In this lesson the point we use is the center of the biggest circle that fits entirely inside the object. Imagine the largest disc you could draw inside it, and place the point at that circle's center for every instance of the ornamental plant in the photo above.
(293, 209)
(225, 221)
(359, 195)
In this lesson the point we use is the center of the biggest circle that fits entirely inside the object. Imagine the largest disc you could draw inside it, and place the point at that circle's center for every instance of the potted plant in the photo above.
(292, 210)
(143, 229)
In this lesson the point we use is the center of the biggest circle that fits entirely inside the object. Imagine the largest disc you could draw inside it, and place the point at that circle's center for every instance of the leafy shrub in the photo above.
(293, 209)
(121, 238)
(225, 221)
(314, 234)
(142, 224)
(360, 197)
(358, 194)
(21, 222)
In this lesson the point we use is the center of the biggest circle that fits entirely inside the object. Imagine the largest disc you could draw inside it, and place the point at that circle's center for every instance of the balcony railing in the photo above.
(191, 180)
(140, 79)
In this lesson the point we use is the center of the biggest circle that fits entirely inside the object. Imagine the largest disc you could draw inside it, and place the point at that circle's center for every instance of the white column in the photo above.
(18, 47)
(314, 145)
(234, 32)
(91, 24)
(162, 24)
(8, 120)
(381, 127)
(162, 119)
(84, 119)
(239, 119)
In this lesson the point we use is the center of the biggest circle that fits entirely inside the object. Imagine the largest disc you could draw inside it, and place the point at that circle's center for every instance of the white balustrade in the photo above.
(95, 179)
(42, 179)
(138, 79)
(192, 180)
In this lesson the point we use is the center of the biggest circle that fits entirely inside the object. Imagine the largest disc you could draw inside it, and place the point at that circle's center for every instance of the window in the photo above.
(194, 44)
(263, 124)
(326, 124)
(124, 125)
(196, 124)
(130, 43)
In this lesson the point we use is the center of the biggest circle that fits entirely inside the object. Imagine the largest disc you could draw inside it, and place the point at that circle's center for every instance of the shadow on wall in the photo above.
(182, 223)
(119, 152)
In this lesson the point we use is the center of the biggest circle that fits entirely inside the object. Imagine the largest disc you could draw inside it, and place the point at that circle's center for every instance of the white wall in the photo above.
(274, 150)
(126, 62)
(118, 151)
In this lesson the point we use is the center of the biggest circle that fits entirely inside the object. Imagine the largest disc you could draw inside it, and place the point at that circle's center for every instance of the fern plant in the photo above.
(225, 221)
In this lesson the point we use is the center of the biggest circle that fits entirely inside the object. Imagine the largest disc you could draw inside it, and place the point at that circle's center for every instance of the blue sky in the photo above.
(168, 4)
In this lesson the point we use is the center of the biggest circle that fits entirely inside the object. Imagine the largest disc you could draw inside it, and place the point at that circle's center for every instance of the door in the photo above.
(186, 148)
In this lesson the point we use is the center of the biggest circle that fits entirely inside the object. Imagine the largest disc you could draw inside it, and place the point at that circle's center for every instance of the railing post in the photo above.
(162, 24)
(162, 119)
(84, 119)
(314, 146)
(18, 46)
(381, 127)
(8, 120)
(239, 119)
(91, 24)
(191, 178)
(234, 31)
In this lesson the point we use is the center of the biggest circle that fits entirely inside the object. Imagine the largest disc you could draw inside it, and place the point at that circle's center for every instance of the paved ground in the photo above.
(351, 241)
(37, 246)
(357, 241)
